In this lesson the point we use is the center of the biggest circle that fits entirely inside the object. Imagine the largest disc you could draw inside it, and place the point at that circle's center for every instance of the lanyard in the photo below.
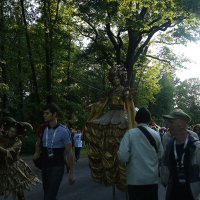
(183, 155)
(47, 136)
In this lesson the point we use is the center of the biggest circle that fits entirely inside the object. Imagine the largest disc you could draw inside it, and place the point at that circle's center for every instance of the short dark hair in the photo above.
(143, 116)
(195, 128)
(52, 107)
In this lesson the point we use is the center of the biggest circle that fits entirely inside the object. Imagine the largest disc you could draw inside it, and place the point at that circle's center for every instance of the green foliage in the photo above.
(84, 150)
(28, 144)
(118, 31)
(147, 83)
(187, 97)
(121, 31)
(164, 101)
(3, 88)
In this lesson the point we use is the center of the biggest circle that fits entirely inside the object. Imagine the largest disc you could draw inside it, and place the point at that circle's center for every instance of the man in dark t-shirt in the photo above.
(178, 156)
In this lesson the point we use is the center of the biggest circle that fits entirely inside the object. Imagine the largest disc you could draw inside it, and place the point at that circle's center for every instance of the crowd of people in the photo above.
(151, 153)
(53, 151)
(172, 157)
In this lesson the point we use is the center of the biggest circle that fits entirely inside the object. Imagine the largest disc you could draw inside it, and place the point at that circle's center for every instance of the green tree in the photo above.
(3, 96)
(130, 25)
(164, 101)
(187, 97)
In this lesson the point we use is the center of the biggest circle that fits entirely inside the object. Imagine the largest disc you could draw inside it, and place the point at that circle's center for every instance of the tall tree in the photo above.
(34, 92)
(3, 96)
(48, 46)
(130, 25)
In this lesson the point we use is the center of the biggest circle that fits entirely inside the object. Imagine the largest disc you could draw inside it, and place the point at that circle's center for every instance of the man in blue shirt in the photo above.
(55, 146)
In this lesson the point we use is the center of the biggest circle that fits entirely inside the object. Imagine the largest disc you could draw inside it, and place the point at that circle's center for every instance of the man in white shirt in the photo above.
(142, 158)
(77, 144)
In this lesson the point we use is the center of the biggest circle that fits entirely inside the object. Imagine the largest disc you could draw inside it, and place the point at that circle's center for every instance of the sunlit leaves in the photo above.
(147, 83)
(164, 102)
(187, 97)
(3, 88)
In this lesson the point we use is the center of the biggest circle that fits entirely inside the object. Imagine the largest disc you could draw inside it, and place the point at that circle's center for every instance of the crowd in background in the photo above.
(150, 152)
(170, 154)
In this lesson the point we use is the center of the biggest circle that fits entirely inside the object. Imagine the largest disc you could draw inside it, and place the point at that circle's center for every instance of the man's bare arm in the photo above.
(69, 160)
(37, 149)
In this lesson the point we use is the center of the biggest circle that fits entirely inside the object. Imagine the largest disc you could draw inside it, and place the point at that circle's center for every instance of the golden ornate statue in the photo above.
(109, 119)
(15, 175)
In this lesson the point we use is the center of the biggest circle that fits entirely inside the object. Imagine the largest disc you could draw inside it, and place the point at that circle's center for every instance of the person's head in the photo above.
(118, 75)
(50, 112)
(177, 121)
(12, 132)
(143, 115)
(116, 80)
(196, 129)
(12, 128)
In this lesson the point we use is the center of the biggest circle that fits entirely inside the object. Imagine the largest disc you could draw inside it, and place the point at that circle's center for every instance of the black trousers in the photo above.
(179, 191)
(143, 192)
(77, 152)
(51, 179)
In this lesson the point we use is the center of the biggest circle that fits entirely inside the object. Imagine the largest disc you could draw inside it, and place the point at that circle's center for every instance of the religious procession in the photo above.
(99, 99)
(126, 150)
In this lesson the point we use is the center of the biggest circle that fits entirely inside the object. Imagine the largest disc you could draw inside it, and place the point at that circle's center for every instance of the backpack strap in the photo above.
(149, 137)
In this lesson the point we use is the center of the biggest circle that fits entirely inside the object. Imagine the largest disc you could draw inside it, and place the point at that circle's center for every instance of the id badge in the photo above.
(50, 153)
(181, 175)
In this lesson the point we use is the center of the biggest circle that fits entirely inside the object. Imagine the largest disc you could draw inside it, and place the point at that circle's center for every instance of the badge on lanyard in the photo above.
(50, 152)
(180, 166)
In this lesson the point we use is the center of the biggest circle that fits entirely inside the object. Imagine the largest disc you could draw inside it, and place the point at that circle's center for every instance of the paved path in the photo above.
(83, 189)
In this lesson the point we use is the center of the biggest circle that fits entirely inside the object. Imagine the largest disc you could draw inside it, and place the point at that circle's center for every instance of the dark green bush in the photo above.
(28, 144)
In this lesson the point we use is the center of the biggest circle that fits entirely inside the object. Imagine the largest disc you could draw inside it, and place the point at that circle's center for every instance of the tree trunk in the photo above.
(34, 91)
(134, 40)
(48, 48)
(20, 84)
(3, 98)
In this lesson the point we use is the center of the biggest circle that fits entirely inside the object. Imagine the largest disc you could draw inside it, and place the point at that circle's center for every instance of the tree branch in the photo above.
(151, 32)
(167, 43)
(161, 60)
(116, 41)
